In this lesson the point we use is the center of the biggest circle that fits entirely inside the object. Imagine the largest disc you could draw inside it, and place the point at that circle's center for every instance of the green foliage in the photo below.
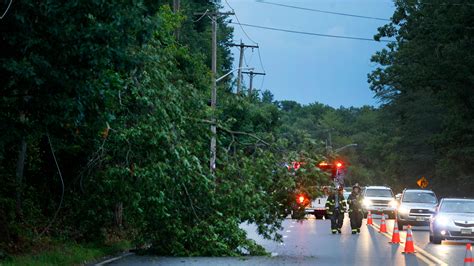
(68, 254)
(109, 93)
(425, 80)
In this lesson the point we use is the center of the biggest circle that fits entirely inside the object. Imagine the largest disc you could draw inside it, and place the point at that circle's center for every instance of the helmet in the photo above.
(356, 185)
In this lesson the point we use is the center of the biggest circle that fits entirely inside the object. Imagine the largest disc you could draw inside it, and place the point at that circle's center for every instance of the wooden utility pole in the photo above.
(252, 74)
(176, 7)
(239, 77)
(213, 149)
(212, 162)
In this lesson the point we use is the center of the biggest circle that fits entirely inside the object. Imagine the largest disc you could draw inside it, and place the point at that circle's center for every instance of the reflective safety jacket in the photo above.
(355, 202)
(331, 204)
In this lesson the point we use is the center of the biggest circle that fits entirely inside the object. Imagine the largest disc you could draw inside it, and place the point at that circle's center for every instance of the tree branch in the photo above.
(232, 132)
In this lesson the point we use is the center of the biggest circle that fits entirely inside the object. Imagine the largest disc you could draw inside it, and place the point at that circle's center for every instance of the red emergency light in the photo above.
(301, 199)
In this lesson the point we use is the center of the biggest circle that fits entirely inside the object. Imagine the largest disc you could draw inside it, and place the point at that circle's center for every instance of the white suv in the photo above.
(379, 199)
(417, 206)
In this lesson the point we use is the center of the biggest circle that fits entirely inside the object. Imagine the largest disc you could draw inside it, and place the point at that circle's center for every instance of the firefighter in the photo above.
(336, 205)
(355, 209)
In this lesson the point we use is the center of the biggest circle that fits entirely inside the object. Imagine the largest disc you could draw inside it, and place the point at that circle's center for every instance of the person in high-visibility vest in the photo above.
(336, 205)
(355, 209)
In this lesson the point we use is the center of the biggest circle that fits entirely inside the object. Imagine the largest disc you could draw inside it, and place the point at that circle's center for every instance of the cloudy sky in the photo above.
(311, 68)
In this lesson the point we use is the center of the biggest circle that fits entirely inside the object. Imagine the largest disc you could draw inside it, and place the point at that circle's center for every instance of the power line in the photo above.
(323, 11)
(237, 18)
(6, 11)
(260, 58)
(238, 21)
(261, 84)
(248, 62)
(311, 33)
(205, 13)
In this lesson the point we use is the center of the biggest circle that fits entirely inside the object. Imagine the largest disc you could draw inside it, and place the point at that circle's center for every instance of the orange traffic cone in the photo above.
(468, 260)
(369, 219)
(383, 226)
(409, 245)
(396, 234)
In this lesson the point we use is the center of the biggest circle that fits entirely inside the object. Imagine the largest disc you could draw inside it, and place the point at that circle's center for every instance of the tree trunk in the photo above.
(20, 166)
(4, 233)
(119, 214)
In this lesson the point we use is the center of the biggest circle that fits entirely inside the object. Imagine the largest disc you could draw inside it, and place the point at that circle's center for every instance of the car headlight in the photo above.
(367, 202)
(403, 210)
(441, 220)
(393, 204)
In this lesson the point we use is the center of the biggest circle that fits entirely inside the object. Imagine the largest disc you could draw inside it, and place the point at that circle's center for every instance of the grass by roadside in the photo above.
(68, 254)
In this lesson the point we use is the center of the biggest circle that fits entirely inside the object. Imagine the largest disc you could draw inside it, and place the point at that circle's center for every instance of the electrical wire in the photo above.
(311, 33)
(62, 185)
(205, 13)
(261, 83)
(323, 11)
(260, 58)
(8, 7)
(237, 18)
(246, 34)
(248, 62)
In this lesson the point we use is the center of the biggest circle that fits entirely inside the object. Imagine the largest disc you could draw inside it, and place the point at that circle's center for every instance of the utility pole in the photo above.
(176, 7)
(213, 149)
(239, 77)
(252, 74)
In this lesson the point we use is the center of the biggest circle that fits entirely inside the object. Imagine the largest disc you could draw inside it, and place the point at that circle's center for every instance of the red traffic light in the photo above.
(338, 164)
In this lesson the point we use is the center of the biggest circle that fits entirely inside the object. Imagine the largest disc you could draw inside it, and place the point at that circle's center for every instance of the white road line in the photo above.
(113, 259)
(422, 254)
(288, 231)
(274, 254)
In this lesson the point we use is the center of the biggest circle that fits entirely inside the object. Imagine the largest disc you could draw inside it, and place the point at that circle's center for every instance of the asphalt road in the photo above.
(310, 242)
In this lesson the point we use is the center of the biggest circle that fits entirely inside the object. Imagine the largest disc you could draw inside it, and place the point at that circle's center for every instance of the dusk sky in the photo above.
(306, 68)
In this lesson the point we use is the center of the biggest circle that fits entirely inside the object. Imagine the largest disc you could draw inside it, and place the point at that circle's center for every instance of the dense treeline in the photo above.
(425, 82)
(425, 124)
(105, 132)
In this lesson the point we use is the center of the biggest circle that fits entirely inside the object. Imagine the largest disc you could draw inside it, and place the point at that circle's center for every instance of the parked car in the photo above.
(453, 220)
(318, 205)
(416, 207)
(379, 199)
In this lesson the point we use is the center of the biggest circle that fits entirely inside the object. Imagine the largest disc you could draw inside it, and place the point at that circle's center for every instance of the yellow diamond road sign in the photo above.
(422, 182)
